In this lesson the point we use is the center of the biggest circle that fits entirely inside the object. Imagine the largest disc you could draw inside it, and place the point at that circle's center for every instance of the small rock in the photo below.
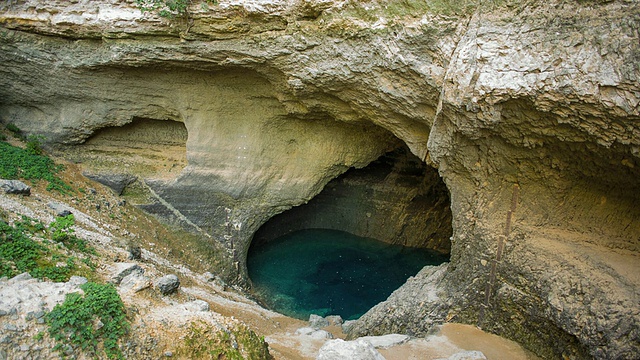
(77, 280)
(339, 349)
(168, 354)
(60, 209)
(135, 252)
(208, 276)
(314, 333)
(386, 341)
(25, 347)
(321, 334)
(197, 305)
(167, 284)
(134, 283)
(21, 277)
(67, 349)
(334, 319)
(11, 327)
(15, 187)
(317, 322)
(120, 270)
(305, 331)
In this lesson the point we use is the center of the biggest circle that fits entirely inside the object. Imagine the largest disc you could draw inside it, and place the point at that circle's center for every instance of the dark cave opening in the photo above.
(355, 242)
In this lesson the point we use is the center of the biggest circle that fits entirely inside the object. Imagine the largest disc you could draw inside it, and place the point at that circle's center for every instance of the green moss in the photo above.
(203, 342)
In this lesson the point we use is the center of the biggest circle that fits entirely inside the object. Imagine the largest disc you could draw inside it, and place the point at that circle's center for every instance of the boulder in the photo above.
(334, 320)
(121, 270)
(167, 284)
(339, 349)
(134, 282)
(116, 182)
(15, 187)
(317, 322)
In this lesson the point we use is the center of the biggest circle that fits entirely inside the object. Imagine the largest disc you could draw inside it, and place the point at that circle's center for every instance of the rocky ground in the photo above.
(164, 317)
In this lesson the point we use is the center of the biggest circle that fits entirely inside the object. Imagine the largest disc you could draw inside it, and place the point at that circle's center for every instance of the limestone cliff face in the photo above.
(530, 112)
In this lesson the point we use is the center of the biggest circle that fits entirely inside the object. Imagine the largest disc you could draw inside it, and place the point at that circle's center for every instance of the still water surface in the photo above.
(330, 272)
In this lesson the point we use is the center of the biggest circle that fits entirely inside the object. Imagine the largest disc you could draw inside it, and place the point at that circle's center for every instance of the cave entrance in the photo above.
(357, 241)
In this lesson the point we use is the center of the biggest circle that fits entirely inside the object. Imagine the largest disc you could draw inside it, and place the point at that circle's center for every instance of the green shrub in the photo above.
(14, 130)
(19, 252)
(30, 164)
(164, 8)
(201, 341)
(86, 321)
(168, 8)
(62, 232)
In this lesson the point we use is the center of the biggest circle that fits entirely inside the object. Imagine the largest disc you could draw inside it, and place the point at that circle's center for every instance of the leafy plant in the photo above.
(19, 253)
(62, 232)
(30, 164)
(167, 8)
(34, 144)
(86, 321)
(164, 8)
(17, 133)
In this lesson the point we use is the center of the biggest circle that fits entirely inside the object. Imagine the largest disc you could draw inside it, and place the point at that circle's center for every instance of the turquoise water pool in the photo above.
(330, 272)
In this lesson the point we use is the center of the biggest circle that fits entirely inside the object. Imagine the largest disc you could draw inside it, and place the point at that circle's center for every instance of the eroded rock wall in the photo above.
(541, 97)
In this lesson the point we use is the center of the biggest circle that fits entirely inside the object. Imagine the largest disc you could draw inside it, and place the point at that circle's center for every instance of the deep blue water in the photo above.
(330, 272)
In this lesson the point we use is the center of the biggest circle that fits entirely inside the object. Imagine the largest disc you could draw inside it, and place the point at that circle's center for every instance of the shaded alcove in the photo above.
(354, 243)
(396, 199)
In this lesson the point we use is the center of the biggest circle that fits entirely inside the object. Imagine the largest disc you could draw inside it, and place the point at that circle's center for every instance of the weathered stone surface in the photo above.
(134, 282)
(60, 209)
(15, 187)
(339, 349)
(467, 355)
(197, 305)
(314, 333)
(121, 270)
(270, 100)
(386, 341)
(317, 321)
(335, 320)
(117, 182)
(413, 308)
(167, 284)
